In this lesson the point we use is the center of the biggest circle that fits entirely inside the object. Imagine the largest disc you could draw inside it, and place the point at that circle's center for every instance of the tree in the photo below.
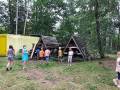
(12, 16)
(3, 17)
(97, 14)
(45, 15)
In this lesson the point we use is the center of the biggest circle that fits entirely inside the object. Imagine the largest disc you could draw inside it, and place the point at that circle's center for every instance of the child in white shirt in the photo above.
(70, 55)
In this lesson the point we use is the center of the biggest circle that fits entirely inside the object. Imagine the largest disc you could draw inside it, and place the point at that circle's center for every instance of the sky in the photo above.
(4, 0)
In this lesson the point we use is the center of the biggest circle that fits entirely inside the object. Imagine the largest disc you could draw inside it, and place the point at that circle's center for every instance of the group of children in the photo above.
(11, 54)
(46, 53)
(41, 55)
(70, 55)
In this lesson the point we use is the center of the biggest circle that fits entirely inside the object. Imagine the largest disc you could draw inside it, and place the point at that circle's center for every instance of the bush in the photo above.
(19, 54)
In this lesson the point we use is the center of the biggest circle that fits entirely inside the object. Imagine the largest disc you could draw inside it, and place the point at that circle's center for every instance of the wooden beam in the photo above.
(31, 56)
(80, 50)
(67, 44)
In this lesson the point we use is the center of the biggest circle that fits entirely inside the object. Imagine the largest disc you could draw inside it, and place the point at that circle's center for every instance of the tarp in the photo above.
(17, 41)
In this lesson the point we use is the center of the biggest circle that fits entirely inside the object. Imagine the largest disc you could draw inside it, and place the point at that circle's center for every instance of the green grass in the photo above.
(80, 76)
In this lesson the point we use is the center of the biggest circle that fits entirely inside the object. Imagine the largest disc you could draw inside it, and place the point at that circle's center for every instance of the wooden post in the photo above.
(33, 51)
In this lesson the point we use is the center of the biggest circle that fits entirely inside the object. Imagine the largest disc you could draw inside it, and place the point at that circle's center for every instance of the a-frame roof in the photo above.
(79, 44)
(49, 41)
(77, 41)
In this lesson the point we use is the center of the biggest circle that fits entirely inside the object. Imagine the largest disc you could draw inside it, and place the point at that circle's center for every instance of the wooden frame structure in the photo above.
(76, 43)
(46, 42)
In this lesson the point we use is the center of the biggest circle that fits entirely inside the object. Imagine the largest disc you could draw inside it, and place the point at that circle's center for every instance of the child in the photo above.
(117, 80)
(37, 51)
(41, 55)
(60, 54)
(70, 55)
(24, 56)
(47, 54)
(11, 54)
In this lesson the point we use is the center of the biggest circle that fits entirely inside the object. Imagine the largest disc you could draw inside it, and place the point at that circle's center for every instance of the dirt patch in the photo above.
(34, 74)
(108, 64)
(46, 79)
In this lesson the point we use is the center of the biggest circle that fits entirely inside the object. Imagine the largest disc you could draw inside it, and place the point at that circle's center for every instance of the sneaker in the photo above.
(23, 68)
(10, 68)
(115, 82)
(7, 69)
(118, 86)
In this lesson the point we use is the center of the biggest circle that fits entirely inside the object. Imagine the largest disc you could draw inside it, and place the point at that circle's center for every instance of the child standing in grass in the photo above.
(47, 55)
(70, 55)
(37, 51)
(10, 54)
(60, 54)
(117, 80)
(41, 55)
(24, 56)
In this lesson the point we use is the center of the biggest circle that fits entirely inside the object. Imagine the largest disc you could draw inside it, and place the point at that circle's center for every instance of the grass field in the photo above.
(80, 76)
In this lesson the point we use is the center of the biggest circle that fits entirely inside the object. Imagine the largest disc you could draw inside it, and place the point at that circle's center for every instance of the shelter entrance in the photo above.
(78, 46)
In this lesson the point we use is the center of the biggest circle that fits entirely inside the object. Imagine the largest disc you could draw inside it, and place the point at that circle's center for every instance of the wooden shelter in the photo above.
(46, 42)
(78, 46)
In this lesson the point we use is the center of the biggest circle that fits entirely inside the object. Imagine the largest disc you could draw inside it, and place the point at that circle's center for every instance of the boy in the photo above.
(60, 54)
(41, 55)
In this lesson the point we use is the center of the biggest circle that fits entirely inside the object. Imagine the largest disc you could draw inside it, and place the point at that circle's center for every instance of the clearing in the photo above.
(90, 75)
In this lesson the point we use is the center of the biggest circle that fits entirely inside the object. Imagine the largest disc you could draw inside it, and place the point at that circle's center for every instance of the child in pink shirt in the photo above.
(47, 54)
(117, 80)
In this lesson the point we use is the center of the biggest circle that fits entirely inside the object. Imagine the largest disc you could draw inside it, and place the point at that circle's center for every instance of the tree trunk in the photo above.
(118, 41)
(11, 26)
(98, 29)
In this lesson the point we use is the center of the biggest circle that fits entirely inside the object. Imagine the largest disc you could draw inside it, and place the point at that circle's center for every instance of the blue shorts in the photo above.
(47, 58)
(10, 58)
(118, 75)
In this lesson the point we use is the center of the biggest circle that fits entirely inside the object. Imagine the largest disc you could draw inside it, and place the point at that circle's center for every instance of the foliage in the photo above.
(95, 21)
(45, 15)
(3, 17)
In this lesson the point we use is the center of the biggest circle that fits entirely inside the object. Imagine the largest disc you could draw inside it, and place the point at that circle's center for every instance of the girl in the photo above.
(70, 55)
(24, 56)
(117, 80)
(47, 55)
(10, 54)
